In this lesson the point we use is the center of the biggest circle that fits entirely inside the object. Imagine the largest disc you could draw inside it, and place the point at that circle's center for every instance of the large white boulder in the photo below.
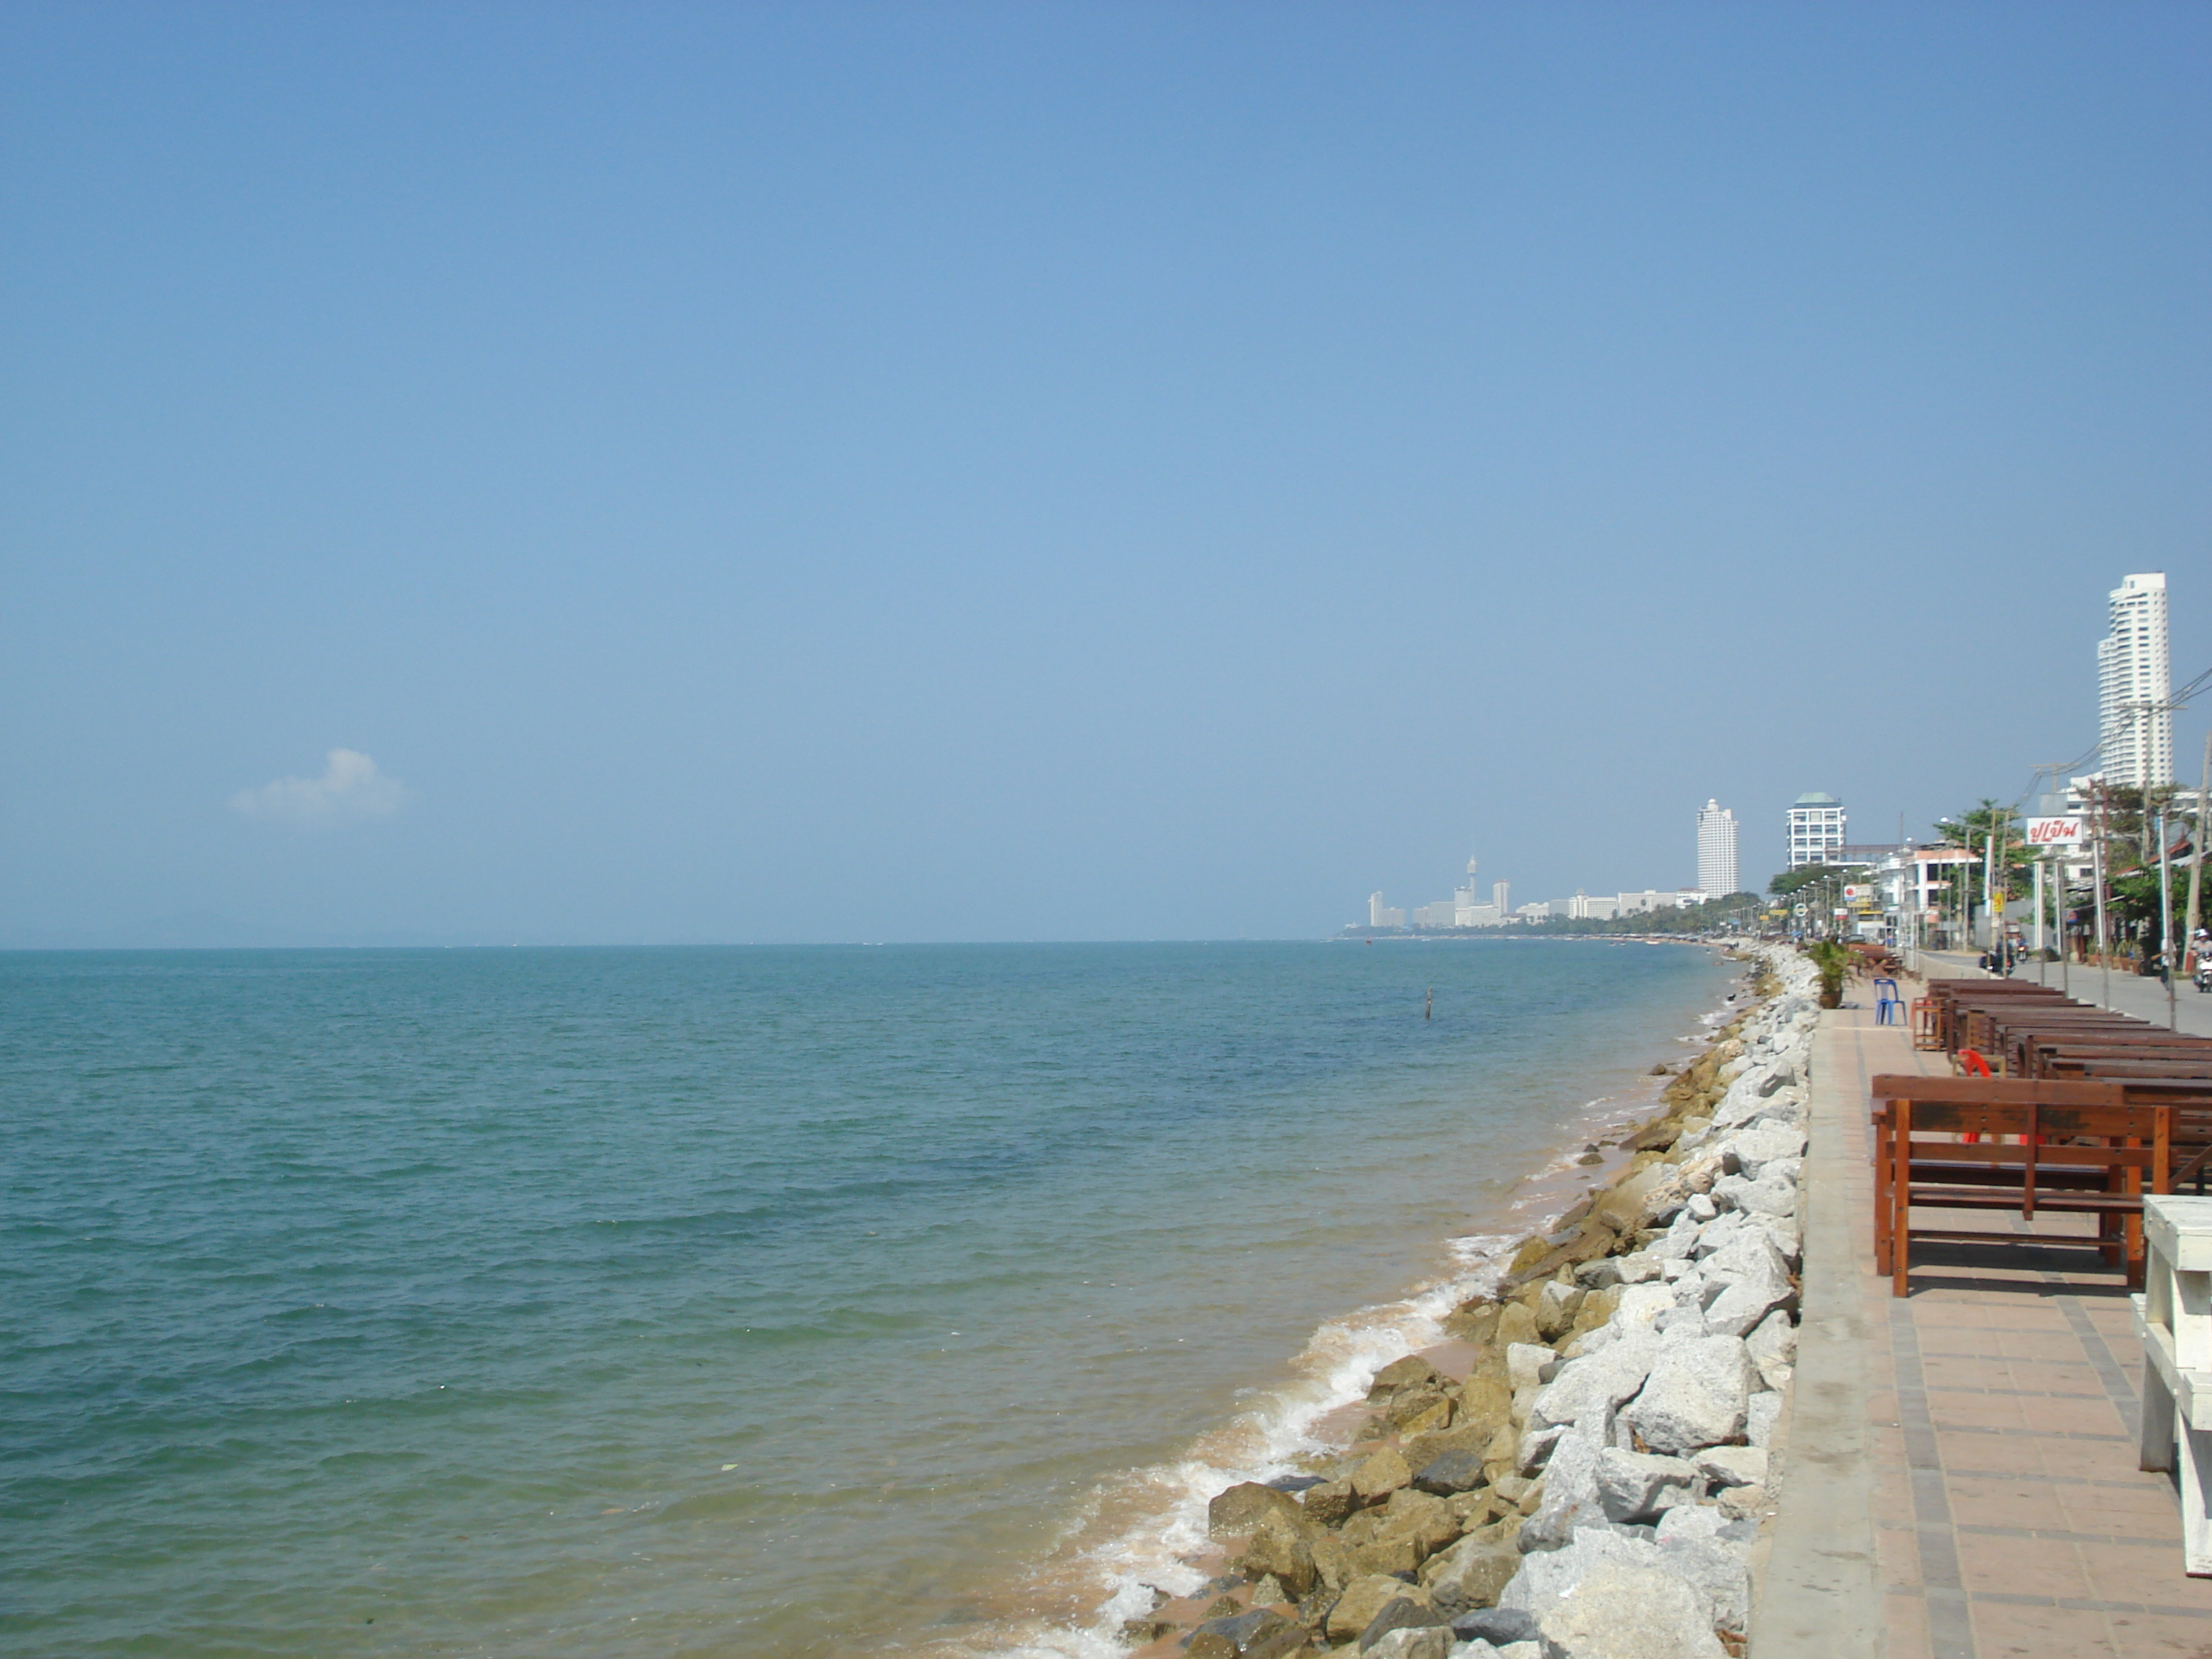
(1697, 1395)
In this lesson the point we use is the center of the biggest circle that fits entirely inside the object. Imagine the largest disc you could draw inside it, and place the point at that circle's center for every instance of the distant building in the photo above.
(1717, 850)
(1501, 894)
(1635, 904)
(1465, 901)
(1867, 852)
(1480, 915)
(1583, 907)
(1443, 913)
(1539, 911)
(2136, 735)
(1816, 830)
(1380, 915)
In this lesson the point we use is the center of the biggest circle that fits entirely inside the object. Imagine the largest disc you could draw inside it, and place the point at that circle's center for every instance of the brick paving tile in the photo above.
(2134, 1573)
(2000, 1630)
(2021, 1566)
(1907, 1622)
(1995, 1503)
(2151, 1515)
(1898, 1550)
(2160, 1636)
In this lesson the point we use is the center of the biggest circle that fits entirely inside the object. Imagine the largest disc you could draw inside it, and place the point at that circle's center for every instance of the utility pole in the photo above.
(2166, 923)
(2104, 945)
(2197, 864)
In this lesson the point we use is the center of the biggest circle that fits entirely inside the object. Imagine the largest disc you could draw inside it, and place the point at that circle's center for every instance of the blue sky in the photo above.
(1089, 471)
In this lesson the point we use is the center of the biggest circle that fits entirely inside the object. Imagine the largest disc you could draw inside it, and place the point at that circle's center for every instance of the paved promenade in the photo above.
(1961, 1478)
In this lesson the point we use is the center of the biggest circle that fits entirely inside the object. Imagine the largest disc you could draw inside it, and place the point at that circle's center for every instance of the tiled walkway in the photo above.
(2000, 1404)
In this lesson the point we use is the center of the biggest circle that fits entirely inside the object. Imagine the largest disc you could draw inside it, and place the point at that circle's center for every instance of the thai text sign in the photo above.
(1857, 890)
(2054, 832)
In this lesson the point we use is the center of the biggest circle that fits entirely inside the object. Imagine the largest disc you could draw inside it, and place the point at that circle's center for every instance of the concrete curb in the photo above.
(1822, 1596)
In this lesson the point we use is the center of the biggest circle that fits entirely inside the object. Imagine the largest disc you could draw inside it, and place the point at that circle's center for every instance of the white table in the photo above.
(2174, 1317)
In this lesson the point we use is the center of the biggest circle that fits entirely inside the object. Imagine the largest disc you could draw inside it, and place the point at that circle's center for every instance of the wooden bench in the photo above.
(2074, 1148)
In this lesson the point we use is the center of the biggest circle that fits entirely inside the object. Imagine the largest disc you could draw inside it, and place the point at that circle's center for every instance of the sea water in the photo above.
(731, 1301)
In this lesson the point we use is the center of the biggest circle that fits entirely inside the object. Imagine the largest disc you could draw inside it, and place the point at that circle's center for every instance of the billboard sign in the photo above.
(1858, 892)
(2054, 832)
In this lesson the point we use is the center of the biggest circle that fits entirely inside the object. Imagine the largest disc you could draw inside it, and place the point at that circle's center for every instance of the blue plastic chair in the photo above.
(1888, 1008)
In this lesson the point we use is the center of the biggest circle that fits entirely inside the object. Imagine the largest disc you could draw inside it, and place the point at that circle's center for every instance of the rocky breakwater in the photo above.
(1594, 1485)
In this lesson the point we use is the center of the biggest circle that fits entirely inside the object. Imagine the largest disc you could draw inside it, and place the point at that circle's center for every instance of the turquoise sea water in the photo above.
(720, 1302)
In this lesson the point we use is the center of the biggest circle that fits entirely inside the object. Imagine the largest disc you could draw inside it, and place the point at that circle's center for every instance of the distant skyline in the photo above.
(604, 474)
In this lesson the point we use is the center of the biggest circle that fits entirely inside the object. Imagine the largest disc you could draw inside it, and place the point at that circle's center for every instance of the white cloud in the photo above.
(350, 789)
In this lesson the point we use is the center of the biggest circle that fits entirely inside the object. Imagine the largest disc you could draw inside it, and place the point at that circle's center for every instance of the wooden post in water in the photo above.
(1429, 1013)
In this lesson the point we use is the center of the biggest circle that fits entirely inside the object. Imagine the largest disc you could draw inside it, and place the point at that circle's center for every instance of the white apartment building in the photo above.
(1501, 896)
(1380, 915)
(2133, 677)
(1816, 830)
(1716, 873)
(1443, 913)
(1539, 911)
(1582, 907)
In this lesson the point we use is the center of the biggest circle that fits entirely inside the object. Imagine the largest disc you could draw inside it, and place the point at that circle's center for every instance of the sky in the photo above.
(620, 473)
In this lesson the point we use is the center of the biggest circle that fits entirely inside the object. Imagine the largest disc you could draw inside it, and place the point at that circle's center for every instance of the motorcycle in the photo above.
(2204, 975)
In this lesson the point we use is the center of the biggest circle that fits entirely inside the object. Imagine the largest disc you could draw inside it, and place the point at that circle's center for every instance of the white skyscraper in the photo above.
(1816, 829)
(2132, 679)
(1717, 850)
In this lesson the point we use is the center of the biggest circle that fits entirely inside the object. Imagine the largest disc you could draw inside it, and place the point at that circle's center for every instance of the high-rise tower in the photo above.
(1816, 829)
(1717, 875)
(2133, 678)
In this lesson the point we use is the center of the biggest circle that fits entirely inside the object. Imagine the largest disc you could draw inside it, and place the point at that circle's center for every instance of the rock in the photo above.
(1745, 1503)
(1332, 1561)
(1759, 1419)
(1417, 1411)
(1516, 1323)
(1534, 1450)
(1715, 1567)
(1471, 1573)
(1750, 1150)
(1733, 1466)
(1571, 1494)
(1240, 1510)
(1362, 1600)
(1700, 1523)
(1774, 1341)
(1629, 1612)
(1634, 1487)
(1697, 1395)
(1279, 1549)
(1454, 1472)
(1701, 1208)
(1411, 1641)
(1500, 1626)
(1607, 1377)
(1419, 1518)
(1380, 1474)
(1272, 1591)
(1754, 1280)
(1525, 1362)
(1329, 1502)
(1770, 1197)
(1260, 1634)
(1411, 1372)
(1485, 1402)
(1474, 1321)
(1556, 1306)
(1143, 1633)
